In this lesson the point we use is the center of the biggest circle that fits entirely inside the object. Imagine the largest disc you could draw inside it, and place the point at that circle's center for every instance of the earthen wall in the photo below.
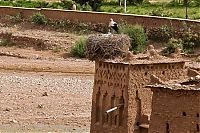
(87, 16)
(175, 111)
(139, 97)
(110, 90)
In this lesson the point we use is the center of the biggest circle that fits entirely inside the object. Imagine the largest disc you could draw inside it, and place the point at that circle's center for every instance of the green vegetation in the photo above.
(137, 35)
(79, 48)
(170, 11)
(190, 41)
(17, 18)
(161, 34)
(39, 18)
(172, 45)
(174, 8)
(6, 43)
(6, 40)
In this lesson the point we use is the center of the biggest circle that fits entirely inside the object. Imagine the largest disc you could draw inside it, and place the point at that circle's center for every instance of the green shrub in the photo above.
(86, 7)
(39, 18)
(190, 41)
(39, 4)
(172, 45)
(17, 18)
(137, 35)
(79, 48)
(66, 4)
(160, 12)
(161, 34)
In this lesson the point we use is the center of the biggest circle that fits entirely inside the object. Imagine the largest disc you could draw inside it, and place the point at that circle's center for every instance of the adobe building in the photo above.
(176, 107)
(120, 90)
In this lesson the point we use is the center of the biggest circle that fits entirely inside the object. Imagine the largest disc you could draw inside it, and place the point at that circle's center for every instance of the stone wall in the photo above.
(110, 90)
(99, 17)
(175, 111)
(139, 97)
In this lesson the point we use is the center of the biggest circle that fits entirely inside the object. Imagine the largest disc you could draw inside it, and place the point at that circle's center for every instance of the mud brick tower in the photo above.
(175, 107)
(121, 87)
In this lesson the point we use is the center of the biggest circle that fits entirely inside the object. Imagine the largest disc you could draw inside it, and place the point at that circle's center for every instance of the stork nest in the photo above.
(104, 46)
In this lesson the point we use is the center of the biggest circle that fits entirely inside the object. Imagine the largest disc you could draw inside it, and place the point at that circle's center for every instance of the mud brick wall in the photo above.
(99, 17)
(110, 90)
(139, 97)
(175, 111)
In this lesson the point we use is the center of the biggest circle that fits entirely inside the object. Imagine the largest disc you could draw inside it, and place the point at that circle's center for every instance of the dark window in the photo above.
(100, 64)
(163, 72)
(136, 92)
(145, 73)
(184, 114)
(197, 114)
(104, 105)
(167, 127)
(197, 127)
(121, 111)
(115, 119)
(137, 124)
(98, 95)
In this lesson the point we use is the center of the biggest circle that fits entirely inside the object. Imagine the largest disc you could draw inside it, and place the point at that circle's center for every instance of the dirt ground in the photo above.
(44, 90)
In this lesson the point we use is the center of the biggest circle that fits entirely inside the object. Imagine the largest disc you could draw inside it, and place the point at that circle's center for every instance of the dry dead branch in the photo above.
(104, 46)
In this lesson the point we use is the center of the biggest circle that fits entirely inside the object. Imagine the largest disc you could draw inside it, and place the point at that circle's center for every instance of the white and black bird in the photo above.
(113, 25)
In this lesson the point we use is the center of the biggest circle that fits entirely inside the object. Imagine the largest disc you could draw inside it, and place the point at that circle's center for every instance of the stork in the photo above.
(113, 25)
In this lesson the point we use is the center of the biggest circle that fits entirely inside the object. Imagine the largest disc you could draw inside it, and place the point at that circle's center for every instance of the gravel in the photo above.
(68, 102)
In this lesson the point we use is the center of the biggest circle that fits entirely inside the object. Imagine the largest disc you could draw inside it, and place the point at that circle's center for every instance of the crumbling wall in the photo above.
(110, 90)
(175, 111)
(139, 78)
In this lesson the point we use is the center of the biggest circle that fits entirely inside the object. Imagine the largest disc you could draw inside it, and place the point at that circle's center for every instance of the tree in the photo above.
(134, 2)
(95, 4)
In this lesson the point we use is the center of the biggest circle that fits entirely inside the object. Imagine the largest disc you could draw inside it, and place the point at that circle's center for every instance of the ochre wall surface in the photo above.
(175, 111)
(139, 97)
(99, 17)
(110, 90)
(117, 81)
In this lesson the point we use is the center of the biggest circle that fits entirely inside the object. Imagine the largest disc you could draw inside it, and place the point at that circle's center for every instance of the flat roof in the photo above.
(189, 83)
(147, 62)
(174, 87)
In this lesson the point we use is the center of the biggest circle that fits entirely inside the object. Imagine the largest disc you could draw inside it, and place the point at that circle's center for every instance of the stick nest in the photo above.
(102, 47)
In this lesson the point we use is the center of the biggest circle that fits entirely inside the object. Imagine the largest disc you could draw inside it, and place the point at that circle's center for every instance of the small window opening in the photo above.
(167, 127)
(138, 123)
(115, 119)
(107, 118)
(100, 64)
(136, 92)
(197, 127)
(163, 72)
(184, 114)
(145, 73)
(197, 114)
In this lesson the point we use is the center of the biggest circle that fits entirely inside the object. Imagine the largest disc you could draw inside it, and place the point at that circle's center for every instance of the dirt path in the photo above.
(70, 65)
